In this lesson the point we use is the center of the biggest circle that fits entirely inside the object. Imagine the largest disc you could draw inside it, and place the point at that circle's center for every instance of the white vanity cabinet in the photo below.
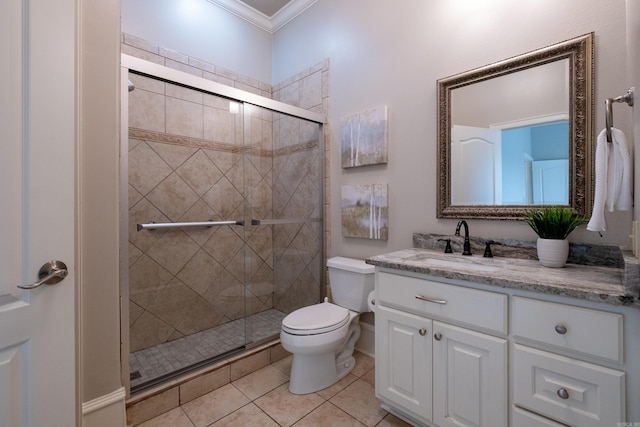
(558, 359)
(441, 355)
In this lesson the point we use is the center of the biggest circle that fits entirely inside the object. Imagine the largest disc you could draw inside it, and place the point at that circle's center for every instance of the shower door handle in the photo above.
(50, 273)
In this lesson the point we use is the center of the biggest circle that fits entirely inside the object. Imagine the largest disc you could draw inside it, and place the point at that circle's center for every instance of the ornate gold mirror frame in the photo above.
(579, 52)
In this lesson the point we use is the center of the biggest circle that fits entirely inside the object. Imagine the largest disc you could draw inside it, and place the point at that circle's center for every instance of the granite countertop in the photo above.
(607, 284)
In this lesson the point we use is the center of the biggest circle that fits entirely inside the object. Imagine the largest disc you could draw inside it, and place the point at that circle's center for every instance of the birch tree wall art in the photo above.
(365, 211)
(364, 138)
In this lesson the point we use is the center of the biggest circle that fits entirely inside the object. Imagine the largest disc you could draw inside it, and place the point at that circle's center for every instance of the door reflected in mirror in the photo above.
(517, 134)
(513, 166)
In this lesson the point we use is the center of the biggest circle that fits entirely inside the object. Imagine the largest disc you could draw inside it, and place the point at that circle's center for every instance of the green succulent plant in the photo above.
(553, 222)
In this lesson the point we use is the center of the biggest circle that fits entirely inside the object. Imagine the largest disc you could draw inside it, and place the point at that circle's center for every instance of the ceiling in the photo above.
(268, 7)
(270, 15)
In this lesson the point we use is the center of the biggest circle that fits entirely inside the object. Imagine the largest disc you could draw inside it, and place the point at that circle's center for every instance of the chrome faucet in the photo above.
(466, 247)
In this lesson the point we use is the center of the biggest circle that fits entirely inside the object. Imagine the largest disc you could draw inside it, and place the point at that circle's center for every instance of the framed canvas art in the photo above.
(365, 211)
(364, 138)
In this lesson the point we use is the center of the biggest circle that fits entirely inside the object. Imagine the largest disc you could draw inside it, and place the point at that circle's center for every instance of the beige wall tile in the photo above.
(146, 280)
(153, 406)
(146, 169)
(311, 90)
(278, 353)
(245, 366)
(199, 173)
(220, 125)
(173, 250)
(173, 197)
(184, 118)
(184, 93)
(204, 384)
(147, 110)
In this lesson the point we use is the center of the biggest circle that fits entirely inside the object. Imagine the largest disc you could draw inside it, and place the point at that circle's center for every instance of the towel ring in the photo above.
(627, 97)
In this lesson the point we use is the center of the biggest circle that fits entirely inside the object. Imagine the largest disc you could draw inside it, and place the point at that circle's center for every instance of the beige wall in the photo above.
(385, 54)
(99, 316)
(202, 30)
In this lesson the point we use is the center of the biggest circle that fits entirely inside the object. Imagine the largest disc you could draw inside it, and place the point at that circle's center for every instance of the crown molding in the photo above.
(259, 19)
(290, 11)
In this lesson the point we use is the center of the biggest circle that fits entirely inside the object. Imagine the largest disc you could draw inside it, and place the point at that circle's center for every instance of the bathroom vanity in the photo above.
(496, 342)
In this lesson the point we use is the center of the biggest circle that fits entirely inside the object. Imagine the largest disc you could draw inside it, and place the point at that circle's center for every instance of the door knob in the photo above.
(50, 273)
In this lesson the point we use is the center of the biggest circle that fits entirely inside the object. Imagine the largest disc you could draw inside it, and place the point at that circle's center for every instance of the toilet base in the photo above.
(304, 380)
(311, 372)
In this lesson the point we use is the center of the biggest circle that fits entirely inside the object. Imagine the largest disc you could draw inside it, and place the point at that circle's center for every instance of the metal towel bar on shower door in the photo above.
(156, 225)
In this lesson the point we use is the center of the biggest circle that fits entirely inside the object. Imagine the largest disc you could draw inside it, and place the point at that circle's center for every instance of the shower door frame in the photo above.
(130, 63)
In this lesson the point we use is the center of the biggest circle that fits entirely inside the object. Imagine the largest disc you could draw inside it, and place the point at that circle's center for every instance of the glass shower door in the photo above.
(284, 165)
(186, 283)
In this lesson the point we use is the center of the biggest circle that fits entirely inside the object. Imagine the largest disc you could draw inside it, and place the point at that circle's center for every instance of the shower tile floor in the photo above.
(155, 362)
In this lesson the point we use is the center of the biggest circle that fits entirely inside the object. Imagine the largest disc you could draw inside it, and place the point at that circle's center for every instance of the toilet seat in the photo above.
(316, 319)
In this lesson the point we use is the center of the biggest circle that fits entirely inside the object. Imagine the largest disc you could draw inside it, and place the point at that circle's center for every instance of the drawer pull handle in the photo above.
(561, 329)
(422, 331)
(563, 393)
(437, 336)
(437, 301)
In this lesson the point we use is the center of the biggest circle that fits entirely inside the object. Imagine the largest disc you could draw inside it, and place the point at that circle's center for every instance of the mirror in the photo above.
(517, 134)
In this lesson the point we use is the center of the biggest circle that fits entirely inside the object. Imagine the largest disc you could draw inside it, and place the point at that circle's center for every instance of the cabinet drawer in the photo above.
(479, 309)
(592, 332)
(568, 390)
(523, 418)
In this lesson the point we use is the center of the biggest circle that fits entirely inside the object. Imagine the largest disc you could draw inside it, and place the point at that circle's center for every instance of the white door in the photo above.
(37, 206)
(476, 166)
(551, 182)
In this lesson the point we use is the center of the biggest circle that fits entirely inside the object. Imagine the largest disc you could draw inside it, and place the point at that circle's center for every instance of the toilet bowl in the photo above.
(322, 337)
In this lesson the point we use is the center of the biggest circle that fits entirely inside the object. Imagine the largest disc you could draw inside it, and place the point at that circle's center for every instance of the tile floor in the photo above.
(262, 399)
(152, 363)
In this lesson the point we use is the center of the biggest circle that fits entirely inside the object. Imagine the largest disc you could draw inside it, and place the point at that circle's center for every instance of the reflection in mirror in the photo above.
(517, 133)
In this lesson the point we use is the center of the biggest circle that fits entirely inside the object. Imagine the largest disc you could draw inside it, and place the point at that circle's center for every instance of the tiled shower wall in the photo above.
(188, 163)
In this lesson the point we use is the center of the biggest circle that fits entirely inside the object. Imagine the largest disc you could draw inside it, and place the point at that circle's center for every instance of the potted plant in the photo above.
(553, 224)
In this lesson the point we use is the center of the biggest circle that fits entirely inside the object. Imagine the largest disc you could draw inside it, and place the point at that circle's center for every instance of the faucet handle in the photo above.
(447, 249)
(487, 249)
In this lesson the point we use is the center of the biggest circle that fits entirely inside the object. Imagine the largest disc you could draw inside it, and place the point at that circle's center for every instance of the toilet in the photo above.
(322, 336)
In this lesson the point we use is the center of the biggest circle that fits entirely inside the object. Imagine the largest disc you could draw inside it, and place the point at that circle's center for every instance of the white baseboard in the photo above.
(366, 342)
(105, 411)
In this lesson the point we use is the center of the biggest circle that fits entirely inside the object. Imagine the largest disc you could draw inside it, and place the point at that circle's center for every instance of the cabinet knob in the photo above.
(422, 331)
(563, 393)
(437, 336)
(561, 329)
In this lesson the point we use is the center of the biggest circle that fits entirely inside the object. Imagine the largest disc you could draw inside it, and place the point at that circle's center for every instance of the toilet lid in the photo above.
(316, 319)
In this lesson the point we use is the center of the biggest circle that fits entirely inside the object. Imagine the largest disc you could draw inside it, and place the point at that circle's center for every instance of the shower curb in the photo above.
(158, 400)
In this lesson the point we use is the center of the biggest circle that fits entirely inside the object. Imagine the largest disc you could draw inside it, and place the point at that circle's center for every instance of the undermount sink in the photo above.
(459, 265)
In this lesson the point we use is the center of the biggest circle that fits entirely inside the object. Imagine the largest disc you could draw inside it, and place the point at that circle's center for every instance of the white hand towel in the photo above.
(623, 200)
(597, 221)
(613, 178)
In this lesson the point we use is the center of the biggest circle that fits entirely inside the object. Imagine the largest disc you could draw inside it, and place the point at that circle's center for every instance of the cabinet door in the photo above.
(403, 361)
(469, 378)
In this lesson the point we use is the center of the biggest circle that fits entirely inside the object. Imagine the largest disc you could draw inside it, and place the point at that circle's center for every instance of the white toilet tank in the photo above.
(351, 281)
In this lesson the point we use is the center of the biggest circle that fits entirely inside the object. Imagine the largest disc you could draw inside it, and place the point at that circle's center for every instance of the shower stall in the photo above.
(222, 215)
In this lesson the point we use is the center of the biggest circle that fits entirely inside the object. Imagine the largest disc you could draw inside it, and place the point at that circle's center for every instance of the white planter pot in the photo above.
(553, 252)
